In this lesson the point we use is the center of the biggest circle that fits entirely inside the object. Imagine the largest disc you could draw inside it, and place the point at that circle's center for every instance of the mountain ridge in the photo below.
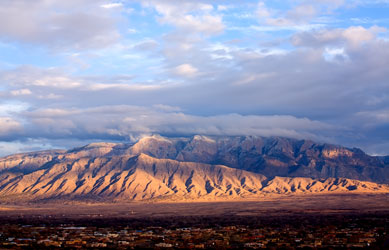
(144, 177)
(196, 168)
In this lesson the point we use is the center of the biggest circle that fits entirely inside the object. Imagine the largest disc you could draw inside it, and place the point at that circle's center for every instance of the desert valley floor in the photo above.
(325, 221)
(276, 205)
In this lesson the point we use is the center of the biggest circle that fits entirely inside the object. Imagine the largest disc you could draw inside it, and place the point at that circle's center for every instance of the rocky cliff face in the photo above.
(197, 168)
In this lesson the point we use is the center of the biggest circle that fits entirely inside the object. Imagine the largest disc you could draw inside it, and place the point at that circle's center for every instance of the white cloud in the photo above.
(21, 92)
(30, 77)
(263, 11)
(186, 70)
(359, 35)
(132, 31)
(9, 125)
(353, 36)
(59, 25)
(335, 54)
(10, 108)
(166, 108)
(112, 5)
(222, 7)
(50, 96)
(300, 13)
(189, 16)
(252, 78)
(56, 82)
(287, 26)
(118, 86)
(207, 24)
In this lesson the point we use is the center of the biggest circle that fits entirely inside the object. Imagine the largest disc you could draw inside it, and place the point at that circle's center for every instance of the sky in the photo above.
(79, 71)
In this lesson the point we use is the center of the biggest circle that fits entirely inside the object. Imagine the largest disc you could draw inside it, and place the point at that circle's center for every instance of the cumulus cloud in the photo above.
(21, 92)
(353, 36)
(111, 5)
(185, 70)
(33, 77)
(8, 126)
(299, 13)
(59, 25)
(189, 16)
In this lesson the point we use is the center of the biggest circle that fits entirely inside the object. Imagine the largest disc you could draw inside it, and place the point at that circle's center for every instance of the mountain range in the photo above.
(191, 168)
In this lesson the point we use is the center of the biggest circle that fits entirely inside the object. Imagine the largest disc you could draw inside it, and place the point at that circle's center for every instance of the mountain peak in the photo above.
(203, 138)
(100, 145)
(154, 137)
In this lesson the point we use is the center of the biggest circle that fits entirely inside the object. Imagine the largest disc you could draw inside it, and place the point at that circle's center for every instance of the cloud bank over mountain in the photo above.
(80, 71)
